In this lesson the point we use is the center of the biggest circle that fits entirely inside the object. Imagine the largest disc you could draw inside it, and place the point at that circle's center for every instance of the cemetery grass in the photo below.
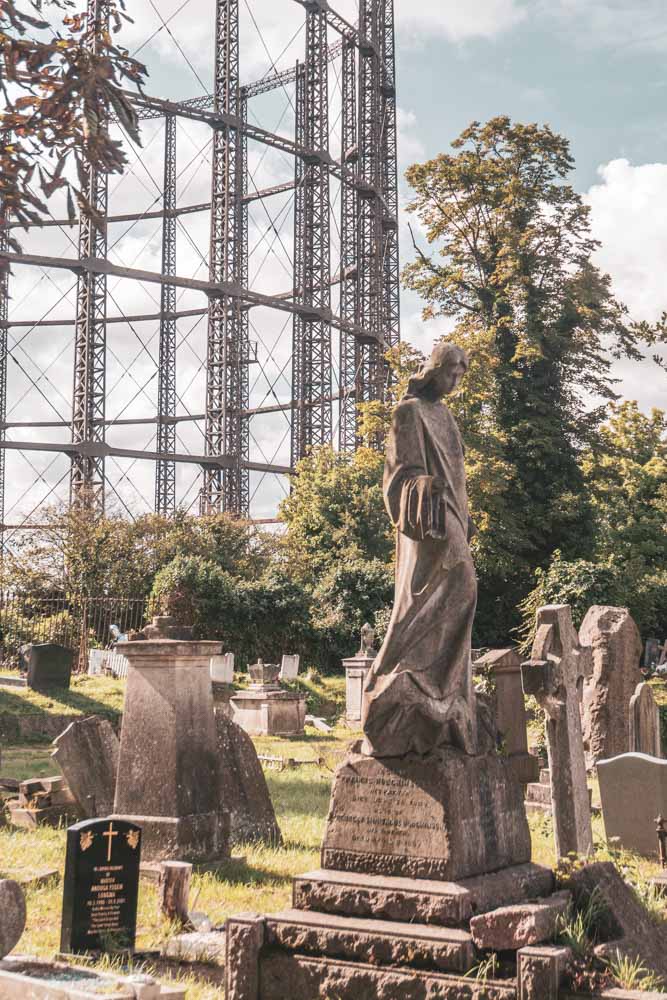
(87, 695)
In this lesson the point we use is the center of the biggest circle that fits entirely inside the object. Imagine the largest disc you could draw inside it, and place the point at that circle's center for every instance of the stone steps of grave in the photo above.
(306, 977)
(424, 901)
(378, 942)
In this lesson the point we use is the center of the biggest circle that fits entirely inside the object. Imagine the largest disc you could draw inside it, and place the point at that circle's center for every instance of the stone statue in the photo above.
(418, 695)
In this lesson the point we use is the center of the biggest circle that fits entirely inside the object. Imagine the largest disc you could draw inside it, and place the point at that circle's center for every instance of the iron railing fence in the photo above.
(82, 623)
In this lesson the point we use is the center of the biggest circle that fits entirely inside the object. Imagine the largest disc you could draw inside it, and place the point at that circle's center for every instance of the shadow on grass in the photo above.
(237, 871)
(13, 704)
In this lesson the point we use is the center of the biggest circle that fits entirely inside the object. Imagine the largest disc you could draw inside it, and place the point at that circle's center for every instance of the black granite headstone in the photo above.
(49, 665)
(101, 886)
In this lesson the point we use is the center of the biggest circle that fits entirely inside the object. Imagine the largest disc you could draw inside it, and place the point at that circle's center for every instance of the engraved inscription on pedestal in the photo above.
(446, 816)
(387, 813)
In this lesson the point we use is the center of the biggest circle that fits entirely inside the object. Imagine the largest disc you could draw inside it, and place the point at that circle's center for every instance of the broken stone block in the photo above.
(540, 972)
(87, 753)
(12, 915)
(197, 946)
(624, 925)
(244, 792)
(512, 927)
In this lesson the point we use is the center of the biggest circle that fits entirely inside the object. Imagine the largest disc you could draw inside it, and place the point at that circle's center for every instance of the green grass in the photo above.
(87, 696)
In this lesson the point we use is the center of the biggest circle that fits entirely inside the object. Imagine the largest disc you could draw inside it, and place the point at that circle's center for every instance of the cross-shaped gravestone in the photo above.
(555, 675)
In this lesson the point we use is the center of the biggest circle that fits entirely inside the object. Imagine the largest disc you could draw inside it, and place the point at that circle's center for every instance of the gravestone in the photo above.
(356, 671)
(633, 792)
(87, 753)
(289, 667)
(222, 669)
(645, 722)
(555, 674)
(615, 644)
(243, 788)
(267, 709)
(44, 802)
(48, 665)
(12, 915)
(504, 668)
(100, 886)
(168, 762)
(652, 651)
(445, 816)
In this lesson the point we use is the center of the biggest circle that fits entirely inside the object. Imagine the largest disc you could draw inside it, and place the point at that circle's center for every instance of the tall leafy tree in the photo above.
(509, 258)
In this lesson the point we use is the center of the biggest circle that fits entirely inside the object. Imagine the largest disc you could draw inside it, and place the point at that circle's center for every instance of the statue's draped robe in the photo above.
(418, 693)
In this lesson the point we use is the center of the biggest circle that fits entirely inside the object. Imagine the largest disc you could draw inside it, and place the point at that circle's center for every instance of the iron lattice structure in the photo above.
(366, 325)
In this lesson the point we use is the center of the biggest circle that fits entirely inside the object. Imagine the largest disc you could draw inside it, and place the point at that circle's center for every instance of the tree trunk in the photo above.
(174, 890)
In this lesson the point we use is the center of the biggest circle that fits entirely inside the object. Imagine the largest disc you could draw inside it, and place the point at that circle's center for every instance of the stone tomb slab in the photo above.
(380, 942)
(100, 886)
(23, 978)
(633, 791)
(446, 816)
(446, 904)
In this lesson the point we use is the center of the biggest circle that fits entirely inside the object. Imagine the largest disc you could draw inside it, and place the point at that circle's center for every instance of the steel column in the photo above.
(371, 370)
(350, 355)
(165, 471)
(219, 488)
(312, 356)
(89, 391)
(4, 333)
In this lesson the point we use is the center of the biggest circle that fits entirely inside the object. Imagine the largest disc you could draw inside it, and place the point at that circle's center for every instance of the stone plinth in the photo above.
(504, 668)
(168, 764)
(269, 711)
(356, 670)
(445, 816)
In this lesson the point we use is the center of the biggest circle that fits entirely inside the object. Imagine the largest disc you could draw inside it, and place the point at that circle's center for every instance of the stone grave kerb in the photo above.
(555, 675)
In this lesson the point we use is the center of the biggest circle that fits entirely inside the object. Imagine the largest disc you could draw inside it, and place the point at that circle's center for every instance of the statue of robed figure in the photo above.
(418, 694)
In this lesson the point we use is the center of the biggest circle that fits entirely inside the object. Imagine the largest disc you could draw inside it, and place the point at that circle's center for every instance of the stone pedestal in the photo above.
(269, 711)
(445, 816)
(504, 668)
(356, 670)
(168, 766)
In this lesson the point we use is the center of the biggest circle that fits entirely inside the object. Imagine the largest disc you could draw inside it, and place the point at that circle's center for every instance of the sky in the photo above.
(594, 70)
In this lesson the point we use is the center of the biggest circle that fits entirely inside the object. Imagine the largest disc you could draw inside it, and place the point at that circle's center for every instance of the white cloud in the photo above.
(621, 24)
(629, 217)
(458, 21)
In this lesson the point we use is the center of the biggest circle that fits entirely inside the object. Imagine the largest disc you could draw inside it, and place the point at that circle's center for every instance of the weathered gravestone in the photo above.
(222, 669)
(356, 671)
(87, 752)
(243, 788)
(555, 674)
(266, 708)
(645, 722)
(48, 665)
(101, 886)
(633, 791)
(12, 915)
(615, 644)
(503, 666)
(289, 667)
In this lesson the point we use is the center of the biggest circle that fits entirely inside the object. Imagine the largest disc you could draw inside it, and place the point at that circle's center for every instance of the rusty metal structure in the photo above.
(349, 343)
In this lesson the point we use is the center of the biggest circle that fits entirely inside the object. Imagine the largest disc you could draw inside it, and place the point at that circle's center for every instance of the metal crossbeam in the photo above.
(368, 275)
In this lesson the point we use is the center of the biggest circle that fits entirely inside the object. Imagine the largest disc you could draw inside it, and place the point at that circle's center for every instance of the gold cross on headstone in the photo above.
(110, 834)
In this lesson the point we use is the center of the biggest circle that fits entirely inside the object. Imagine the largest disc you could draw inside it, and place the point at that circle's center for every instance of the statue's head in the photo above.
(442, 372)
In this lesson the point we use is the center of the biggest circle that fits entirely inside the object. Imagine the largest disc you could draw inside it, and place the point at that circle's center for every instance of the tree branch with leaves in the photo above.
(61, 85)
